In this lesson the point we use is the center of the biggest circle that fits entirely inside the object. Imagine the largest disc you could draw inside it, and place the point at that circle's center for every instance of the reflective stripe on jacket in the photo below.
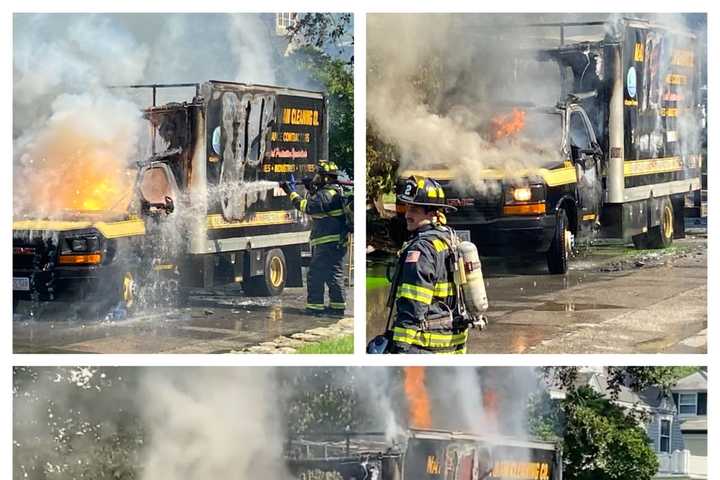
(326, 209)
(426, 290)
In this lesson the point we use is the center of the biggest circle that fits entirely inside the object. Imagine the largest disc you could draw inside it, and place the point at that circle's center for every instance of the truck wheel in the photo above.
(640, 241)
(662, 235)
(128, 292)
(272, 281)
(560, 247)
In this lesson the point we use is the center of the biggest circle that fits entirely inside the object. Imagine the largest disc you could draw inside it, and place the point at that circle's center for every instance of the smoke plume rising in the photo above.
(214, 423)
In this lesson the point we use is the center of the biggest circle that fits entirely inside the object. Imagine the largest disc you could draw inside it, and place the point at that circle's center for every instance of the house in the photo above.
(690, 397)
(676, 424)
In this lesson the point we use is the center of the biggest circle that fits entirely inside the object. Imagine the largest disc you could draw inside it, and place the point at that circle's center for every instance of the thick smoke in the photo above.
(147, 423)
(212, 423)
(437, 82)
(74, 136)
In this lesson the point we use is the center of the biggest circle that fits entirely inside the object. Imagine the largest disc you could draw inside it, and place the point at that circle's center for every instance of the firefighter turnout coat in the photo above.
(427, 319)
(328, 241)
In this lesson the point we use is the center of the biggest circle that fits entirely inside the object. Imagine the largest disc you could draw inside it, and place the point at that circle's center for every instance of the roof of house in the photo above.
(693, 424)
(694, 381)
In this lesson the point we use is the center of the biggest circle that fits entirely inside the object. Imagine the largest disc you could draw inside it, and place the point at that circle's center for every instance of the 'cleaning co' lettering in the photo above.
(298, 116)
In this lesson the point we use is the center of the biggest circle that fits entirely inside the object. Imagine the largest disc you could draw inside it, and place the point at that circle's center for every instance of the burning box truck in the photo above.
(629, 154)
(426, 455)
(205, 207)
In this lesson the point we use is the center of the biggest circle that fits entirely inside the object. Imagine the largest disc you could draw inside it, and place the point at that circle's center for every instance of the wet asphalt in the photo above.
(613, 300)
(217, 321)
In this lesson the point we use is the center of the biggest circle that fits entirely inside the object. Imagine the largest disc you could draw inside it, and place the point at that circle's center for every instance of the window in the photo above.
(579, 136)
(686, 403)
(702, 403)
(665, 436)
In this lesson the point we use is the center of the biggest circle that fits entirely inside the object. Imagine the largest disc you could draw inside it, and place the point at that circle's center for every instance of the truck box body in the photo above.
(440, 455)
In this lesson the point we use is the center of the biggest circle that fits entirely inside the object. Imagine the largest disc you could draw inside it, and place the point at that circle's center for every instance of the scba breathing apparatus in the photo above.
(464, 265)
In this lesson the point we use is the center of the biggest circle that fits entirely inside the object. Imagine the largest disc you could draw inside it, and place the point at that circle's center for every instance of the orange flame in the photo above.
(502, 126)
(417, 396)
(490, 406)
(79, 178)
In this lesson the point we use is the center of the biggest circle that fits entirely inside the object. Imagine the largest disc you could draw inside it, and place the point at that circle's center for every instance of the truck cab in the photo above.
(540, 210)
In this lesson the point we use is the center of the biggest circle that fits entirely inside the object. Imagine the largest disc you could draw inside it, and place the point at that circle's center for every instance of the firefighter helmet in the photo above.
(328, 168)
(421, 191)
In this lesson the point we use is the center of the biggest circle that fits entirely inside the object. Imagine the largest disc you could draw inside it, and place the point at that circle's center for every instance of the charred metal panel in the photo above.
(352, 468)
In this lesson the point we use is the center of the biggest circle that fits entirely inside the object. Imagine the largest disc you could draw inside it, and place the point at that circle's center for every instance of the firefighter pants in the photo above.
(326, 268)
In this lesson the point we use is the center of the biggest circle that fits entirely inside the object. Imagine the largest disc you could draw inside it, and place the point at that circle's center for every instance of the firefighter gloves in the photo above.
(287, 187)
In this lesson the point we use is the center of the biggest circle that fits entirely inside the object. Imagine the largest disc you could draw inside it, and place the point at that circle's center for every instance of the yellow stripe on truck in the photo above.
(553, 177)
(126, 228)
(258, 219)
(54, 225)
(655, 165)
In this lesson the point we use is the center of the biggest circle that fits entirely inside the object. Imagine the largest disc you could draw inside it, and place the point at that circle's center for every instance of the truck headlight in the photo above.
(535, 192)
(525, 200)
(522, 194)
(79, 245)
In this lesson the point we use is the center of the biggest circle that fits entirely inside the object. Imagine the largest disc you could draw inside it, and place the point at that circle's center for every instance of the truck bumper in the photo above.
(62, 282)
(511, 235)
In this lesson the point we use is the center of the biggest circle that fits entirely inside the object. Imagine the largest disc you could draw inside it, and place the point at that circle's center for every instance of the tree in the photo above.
(602, 441)
(314, 34)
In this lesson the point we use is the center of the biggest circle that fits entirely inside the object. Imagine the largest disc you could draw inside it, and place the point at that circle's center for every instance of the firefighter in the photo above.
(428, 318)
(324, 203)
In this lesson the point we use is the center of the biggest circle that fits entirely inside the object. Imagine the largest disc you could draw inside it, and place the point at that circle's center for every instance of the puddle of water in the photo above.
(573, 307)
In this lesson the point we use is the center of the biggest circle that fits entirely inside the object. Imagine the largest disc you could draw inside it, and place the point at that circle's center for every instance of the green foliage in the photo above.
(65, 428)
(334, 75)
(381, 164)
(334, 346)
(602, 441)
(546, 418)
(321, 401)
(320, 29)
(636, 378)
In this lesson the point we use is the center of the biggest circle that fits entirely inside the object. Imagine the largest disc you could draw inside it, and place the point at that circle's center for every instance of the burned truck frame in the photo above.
(206, 207)
(424, 455)
(630, 152)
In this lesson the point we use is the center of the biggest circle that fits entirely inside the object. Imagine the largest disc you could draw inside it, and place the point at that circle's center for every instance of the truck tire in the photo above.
(272, 281)
(661, 236)
(559, 253)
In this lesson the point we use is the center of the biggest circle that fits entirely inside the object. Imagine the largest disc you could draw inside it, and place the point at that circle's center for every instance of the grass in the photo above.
(375, 282)
(338, 345)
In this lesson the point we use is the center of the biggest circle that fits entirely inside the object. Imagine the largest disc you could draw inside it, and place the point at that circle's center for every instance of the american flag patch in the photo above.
(412, 257)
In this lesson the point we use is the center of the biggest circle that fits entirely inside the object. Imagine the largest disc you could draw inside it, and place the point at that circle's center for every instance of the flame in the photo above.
(80, 158)
(417, 396)
(490, 407)
(93, 182)
(503, 126)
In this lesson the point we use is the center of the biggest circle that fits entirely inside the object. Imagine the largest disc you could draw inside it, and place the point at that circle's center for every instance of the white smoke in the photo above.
(435, 81)
(212, 423)
(251, 47)
(432, 82)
